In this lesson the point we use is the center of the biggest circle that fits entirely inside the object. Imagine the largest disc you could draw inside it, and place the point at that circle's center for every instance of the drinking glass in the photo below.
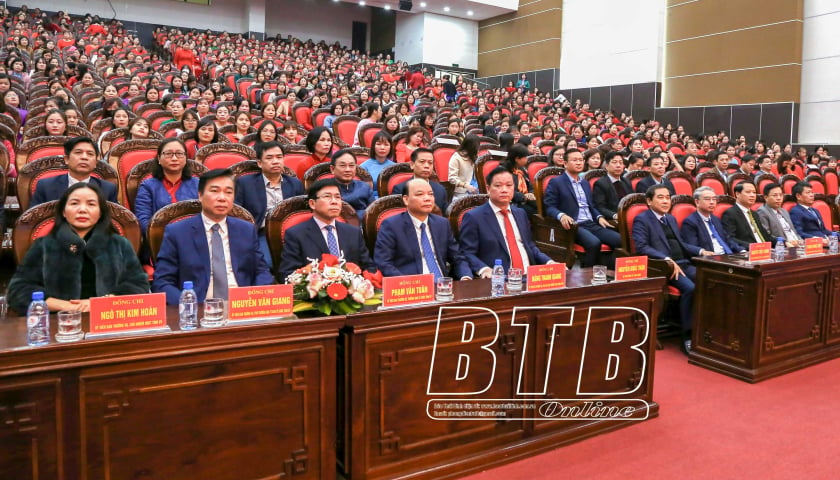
(514, 281)
(599, 274)
(444, 289)
(214, 313)
(69, 327)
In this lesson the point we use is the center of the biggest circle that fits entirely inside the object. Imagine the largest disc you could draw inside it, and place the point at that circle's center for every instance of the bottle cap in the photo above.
(780, 239)
(37, 296)
(188, 285)
(498, 261)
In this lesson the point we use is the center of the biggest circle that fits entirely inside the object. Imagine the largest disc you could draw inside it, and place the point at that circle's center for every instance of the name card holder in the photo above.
(546, 277)
(759, 252)
(631, 268)
(127, 315)
(407, 291)
(258, 304)
(813, 246)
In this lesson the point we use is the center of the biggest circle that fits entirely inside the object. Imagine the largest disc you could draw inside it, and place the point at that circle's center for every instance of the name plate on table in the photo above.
(813, 246)
(759, 252)
(127, 314)
(546, 277)
(408, 290)
(266, 301)
(631, 268)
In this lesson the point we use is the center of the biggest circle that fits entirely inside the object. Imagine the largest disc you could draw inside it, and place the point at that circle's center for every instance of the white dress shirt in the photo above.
(417, 222)
(223, 232)
(322, 227)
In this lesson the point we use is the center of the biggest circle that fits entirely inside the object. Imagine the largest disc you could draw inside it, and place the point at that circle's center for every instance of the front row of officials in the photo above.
(216, 251)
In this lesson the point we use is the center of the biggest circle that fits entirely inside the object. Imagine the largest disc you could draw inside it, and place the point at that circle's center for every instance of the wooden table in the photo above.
(757, 321)
(385, 358)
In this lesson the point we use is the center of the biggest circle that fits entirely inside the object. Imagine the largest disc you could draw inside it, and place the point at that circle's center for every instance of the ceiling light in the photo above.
(387, 7)
(422, 4)
(362, 3)
(470, 13)
(445, 9)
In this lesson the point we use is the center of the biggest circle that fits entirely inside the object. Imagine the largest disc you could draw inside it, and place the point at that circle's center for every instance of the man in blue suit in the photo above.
(417, 242)
(80, 154)
(353, 191)
(259, 193)
(312, 238)
(423, 164)
(807, 221)
(499, 230)
(212, 250)
(568, 198)
(704, 229)
(655, 234)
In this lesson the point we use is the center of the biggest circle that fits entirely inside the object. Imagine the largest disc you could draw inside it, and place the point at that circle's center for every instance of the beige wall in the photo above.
(528, 39)
(720, 52)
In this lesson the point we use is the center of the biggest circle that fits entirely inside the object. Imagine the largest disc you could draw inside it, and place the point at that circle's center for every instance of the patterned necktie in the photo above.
(428, 254)
(218, 264)
(513, 247)
(332, 243)
(717, 237)
(754, 225)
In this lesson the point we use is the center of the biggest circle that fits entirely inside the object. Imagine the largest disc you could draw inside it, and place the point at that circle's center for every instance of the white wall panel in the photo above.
(819, 121)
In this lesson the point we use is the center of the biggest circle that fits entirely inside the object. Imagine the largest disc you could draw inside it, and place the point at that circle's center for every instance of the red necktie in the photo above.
(515, 256)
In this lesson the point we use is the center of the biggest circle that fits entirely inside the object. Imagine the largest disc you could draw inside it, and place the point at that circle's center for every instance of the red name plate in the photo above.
(260, 302)
(127, 313)
(630, 268)
(408, 290)
(759, 252)
(813, 246)
(546, 277)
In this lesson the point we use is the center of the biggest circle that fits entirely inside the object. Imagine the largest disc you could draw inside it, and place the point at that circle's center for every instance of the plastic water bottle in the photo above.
(833, 244)
(38, 321)
(188, 308)
(497, 288)
(781, 250)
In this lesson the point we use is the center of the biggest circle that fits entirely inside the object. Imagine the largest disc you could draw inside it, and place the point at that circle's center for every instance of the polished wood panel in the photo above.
(777, 84)
(523, 58)
(387, 357)
(756, 321)
(522, 30)
(708, 17)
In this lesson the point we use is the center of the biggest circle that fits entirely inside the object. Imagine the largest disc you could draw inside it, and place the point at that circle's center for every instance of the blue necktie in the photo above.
(428, 254)
(218, 264)
(332, 243)
(817, 216)
(715, 234)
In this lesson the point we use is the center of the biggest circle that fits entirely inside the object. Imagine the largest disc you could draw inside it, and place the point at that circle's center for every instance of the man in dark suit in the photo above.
(774, 218)
(721, 160)
(568, 198)
(741, 223)
(416, 241)
(259, 193)
(612, 187)
(656, 175)
(704, 229)
(312, 238)
(80, 155)
(807, 221)
(213, 250)
(655, 234)
(423, 164)
(499, 230)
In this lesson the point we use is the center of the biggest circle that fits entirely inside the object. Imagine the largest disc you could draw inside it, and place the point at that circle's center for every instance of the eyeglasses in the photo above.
(173, 155)
(330, 197)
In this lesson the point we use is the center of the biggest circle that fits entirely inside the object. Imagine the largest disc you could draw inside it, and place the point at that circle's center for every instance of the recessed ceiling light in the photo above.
(422, 4)
(362, 3)
(445, 9)
(470, 13)
(387, 7)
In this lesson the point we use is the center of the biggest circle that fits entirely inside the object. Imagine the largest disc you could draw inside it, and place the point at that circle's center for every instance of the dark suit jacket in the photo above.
(437, 188)
(305, 241)
(185, 256)
(52, 188)
(694, 232)
(560, 198)
(482, 240)
(648, 182)
(397, 250)
(606, 198)
(738, 228)
(250, 193)
(806, 224)
(650, 239)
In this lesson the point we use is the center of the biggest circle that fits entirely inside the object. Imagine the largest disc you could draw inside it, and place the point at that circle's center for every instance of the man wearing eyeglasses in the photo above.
(259, 193)
(323, 234)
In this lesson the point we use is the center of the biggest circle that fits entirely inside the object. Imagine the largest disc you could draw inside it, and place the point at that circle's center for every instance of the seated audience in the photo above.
(416, 241)
(199, 249)
(323, 234)
(82, 257)
(80, 154)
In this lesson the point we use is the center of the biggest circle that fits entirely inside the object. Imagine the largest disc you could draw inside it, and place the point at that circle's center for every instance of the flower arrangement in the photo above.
(333, 285)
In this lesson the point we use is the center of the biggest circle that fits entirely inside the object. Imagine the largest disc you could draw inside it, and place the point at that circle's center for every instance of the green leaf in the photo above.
(303, 307)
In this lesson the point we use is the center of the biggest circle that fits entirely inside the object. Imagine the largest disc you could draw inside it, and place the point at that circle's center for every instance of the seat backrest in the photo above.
(592, 176)
(734, 179)
(124, 156)
(344, 127)
(442, 153)
(392, 176)
(377, 212)
(762, 180)
(817, 184)
(224, 155)
(683, 183)
(704, 167)
(319, 115)
(535, 164)
(367, 132)
(461, 206)
(629, 208)
(681, 207)
(303, 114)
(485, 164)
(541, 182)
(39, 147)
(826, 212)
(156, 119)
(724, 203)
(175, 212)
(788, 181)
(831, 181)
(714, 181)
(299, 162)
(38, 221)
(636, 176)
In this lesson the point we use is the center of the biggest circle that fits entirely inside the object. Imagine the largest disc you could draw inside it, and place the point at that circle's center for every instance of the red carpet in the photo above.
(710, 426)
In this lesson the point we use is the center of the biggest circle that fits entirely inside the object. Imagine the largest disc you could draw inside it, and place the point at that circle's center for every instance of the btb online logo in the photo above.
(466, 356)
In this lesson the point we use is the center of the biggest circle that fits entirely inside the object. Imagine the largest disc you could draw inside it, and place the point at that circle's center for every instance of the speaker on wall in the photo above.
(405, 5)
